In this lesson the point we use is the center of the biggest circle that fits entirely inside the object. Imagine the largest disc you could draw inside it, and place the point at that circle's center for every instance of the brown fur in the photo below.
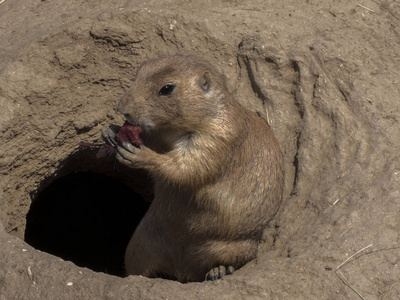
(217, 169)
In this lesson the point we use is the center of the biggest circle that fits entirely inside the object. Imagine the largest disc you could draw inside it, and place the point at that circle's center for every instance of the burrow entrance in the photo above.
(87, 216)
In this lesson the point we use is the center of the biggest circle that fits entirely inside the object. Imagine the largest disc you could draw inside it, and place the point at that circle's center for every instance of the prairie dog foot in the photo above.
(219, 272)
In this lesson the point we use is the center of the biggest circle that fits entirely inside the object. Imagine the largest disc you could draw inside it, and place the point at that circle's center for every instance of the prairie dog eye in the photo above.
(166, 90)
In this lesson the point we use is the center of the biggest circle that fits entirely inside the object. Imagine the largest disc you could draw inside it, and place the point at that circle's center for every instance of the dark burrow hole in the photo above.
(87, 218)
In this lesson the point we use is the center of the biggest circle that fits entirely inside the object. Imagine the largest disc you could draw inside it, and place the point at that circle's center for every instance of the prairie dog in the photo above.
(216, 166)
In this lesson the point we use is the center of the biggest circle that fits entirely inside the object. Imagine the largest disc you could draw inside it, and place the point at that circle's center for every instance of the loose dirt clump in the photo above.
(324, 75)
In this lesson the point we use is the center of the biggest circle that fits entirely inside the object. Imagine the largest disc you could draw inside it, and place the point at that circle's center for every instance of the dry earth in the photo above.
(326, 76)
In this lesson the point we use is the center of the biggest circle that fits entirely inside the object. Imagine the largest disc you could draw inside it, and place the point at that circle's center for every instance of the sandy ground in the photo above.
(325, 74)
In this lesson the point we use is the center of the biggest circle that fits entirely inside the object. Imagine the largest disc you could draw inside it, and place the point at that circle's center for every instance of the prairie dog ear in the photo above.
(205, 82)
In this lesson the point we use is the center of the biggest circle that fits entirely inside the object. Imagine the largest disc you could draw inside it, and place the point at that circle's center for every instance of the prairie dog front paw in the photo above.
(132, 156)
(108, 134)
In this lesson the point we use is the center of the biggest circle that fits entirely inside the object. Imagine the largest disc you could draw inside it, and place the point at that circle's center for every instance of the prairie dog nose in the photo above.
(123, 104)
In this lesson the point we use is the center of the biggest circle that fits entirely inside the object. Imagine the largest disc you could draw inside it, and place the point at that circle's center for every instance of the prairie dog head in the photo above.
(180, 93)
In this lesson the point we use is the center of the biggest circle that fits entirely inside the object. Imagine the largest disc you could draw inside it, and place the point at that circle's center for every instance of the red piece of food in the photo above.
(105, 150)
(129, 134)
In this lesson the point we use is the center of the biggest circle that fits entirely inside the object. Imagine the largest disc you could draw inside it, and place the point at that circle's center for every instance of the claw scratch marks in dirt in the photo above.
(256, 85)
(296, 165)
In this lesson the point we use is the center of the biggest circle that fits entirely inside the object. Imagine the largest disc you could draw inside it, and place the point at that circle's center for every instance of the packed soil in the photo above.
(324, 74)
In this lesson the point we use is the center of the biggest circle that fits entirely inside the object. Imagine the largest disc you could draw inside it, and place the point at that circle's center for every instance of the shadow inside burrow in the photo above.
(87, 218)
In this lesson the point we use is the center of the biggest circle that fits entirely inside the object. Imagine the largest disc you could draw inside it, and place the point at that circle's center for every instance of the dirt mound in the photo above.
(324, 75)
